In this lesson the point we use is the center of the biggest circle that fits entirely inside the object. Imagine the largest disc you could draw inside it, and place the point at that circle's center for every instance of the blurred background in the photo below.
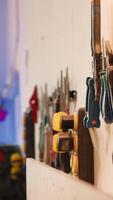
(12, 154)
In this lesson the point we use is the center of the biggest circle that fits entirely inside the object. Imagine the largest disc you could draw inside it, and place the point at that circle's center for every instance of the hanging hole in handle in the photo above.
(112, 157)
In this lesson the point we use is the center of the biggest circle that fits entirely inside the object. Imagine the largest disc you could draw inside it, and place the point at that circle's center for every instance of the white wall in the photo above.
(56, 33)
(58, 36)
